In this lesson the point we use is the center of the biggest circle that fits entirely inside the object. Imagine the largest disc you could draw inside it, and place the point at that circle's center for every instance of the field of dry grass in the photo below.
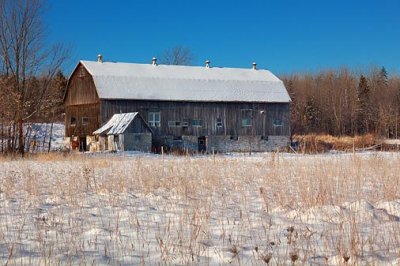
(248, 210)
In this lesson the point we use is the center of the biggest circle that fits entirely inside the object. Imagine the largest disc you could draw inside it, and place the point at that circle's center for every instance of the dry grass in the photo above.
(314, 143)
(192, 210)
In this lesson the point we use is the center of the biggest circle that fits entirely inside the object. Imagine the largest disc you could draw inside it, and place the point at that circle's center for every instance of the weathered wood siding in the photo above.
(263, 116)
(89, 111)
(81, 88)
(81, 101)
(137, 126)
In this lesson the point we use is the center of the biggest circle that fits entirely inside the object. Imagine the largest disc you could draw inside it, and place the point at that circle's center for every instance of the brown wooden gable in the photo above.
(81, 88)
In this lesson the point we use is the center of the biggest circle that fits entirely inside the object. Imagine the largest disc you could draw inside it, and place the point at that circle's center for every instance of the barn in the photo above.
(186, 107)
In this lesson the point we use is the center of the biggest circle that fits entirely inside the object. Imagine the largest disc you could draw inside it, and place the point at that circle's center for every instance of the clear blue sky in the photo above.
(284, 36)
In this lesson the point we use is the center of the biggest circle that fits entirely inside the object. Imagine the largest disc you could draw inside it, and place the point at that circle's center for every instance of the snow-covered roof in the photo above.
(185, 83)
(117, 124)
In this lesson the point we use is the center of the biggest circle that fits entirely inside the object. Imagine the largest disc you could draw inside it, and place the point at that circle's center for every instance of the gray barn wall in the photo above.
(262, 123)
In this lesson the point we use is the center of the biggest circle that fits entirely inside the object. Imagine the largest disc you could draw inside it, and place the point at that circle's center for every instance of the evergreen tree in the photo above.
(312, 115)
(363, 106)
(383, 78)
(56, 96)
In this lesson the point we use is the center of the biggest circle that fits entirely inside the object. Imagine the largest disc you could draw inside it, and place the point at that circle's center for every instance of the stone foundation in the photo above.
(247, 143)
(226, 143)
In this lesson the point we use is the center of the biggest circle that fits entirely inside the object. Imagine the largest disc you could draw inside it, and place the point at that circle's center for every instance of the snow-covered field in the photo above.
(271, 208)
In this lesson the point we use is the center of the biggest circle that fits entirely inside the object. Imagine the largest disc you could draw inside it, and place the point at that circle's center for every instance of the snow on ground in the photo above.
(129, 209)
(39, 135)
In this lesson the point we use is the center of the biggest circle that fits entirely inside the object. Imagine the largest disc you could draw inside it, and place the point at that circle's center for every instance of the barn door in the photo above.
(82, 144)
(202, 144)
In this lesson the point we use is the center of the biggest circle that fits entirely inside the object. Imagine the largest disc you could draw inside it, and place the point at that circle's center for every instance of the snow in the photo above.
(185, 83)
(132, 208)
(39, 135)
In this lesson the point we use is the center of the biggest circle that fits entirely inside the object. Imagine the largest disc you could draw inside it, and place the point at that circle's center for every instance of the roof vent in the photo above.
(99, 58)
(254, 65)
(154, 61)
(208, 62)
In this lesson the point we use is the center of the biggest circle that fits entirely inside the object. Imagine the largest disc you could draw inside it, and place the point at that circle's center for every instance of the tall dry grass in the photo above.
(193, 210)
(317, 143)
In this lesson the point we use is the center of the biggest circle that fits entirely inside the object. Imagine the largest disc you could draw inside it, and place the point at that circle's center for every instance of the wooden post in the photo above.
(2, 133)
(51, 134)
(213, 153)
(44, 138)
(51, 131)
(277, 157)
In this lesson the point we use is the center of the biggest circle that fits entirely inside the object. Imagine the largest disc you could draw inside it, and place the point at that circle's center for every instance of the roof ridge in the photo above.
(177, 66)
(189, 79)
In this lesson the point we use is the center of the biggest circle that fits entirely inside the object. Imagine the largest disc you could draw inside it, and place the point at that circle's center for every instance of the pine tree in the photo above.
(383, 78)
(312, 115)
(363, 106)
(56, 95)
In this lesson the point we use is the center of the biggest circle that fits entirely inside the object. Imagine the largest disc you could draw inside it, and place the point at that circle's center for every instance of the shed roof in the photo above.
(117, 124)
(185, 83)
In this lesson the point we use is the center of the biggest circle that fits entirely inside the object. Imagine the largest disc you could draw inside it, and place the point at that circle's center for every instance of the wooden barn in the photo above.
(187, 107)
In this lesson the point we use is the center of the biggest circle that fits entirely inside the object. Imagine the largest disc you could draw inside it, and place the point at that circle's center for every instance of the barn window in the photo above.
(185, 122)
(246, 115)
(72, 121)
(177, 138)
(234, 137)
(154, 119)
(197, 122)
(277, 123)
(174, 123)
(219, 122)
(85, 121)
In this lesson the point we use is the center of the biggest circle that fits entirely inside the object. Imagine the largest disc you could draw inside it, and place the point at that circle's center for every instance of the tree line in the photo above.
(343, 102)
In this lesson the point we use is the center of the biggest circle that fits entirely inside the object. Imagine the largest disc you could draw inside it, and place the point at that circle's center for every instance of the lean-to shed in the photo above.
(125, 132)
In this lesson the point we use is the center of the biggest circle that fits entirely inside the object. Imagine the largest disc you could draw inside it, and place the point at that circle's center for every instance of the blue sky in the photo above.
(284, 36)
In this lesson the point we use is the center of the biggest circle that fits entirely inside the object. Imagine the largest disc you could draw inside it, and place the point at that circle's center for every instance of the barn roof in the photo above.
(117, 124)
(185, 83)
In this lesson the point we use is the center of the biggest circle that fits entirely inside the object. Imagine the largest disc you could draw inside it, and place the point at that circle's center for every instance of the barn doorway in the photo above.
(202, 144)
(82, 144)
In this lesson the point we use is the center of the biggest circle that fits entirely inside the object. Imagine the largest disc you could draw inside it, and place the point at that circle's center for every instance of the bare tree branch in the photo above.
(177, 55)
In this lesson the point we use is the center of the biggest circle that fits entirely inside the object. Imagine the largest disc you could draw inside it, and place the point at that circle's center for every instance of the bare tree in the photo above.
(177, 55)
(23, 56)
